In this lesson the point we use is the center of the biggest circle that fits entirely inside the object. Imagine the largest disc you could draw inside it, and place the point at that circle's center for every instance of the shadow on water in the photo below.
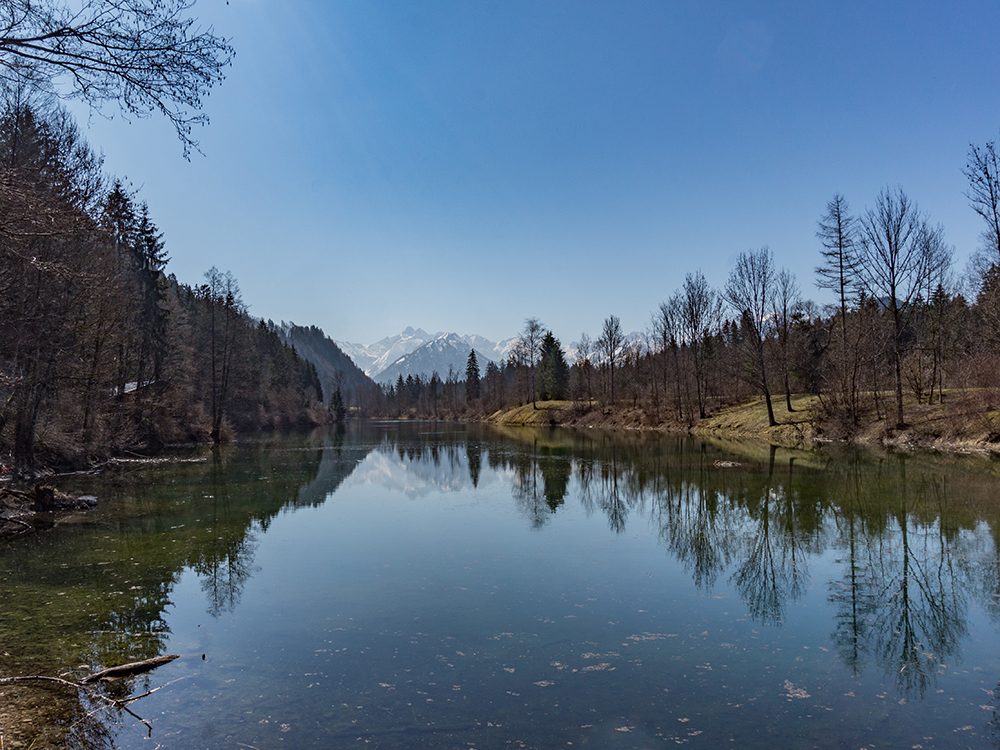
(915, 540)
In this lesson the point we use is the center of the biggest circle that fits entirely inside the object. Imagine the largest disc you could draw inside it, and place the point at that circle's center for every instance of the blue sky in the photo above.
(461, 166)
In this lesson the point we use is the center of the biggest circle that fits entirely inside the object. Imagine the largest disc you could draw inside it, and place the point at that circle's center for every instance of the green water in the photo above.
(441, 586)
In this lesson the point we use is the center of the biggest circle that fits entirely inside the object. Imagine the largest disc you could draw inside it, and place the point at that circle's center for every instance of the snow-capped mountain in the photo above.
(447, 351)
(376, 357)
(416, 352)
(379, 358)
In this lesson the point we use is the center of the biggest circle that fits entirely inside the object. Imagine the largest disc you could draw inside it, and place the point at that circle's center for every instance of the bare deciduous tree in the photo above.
(787, 300)
(701, 315)
(610, 347)
(897, 253)
(666, 334)
(837, 231)
(750, 291)
(583, 365)
(983, 173)
(529, 351)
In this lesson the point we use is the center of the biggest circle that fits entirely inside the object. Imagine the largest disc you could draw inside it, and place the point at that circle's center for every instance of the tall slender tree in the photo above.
(838, 272)
(529, 351)
(472, 384)
(786, 303)
(898, 251)
(609, 345)
(750, 291)
(700, 316)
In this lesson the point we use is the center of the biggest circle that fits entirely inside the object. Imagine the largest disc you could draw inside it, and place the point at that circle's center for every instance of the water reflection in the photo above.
(913, 538)
(97, 593)
(909, 555)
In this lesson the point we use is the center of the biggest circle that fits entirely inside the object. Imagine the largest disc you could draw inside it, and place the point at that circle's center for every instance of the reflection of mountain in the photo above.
(445, 470)
(339, 462)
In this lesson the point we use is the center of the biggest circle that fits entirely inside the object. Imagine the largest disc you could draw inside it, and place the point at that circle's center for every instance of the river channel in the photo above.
(430, 585)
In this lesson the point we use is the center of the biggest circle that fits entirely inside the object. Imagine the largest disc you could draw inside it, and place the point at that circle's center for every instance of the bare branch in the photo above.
(146, 55)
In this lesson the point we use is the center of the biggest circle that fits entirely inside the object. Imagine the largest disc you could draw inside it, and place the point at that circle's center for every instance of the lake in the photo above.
(437, 585)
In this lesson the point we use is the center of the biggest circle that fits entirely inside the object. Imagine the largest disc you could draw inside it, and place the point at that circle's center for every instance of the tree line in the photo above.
(100, 349)
(905, 330)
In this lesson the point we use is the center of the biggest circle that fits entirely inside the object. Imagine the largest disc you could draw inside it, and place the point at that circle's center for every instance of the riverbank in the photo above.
(962, 423)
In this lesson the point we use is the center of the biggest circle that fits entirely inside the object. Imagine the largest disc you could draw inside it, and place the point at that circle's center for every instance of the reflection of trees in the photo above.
(908, 552)
(698, 525)
(784, 524)
(901, 598)
(613, 492)
(854, 594)
(475, 453)
(224, 571)
(198, 515)
(525, 490)
(921, 613)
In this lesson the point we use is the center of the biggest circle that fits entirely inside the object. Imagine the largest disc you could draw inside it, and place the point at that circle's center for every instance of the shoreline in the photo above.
(949, 428)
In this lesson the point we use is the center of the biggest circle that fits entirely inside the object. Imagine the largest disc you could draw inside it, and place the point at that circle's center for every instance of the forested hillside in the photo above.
(334, 367)
(100, 350)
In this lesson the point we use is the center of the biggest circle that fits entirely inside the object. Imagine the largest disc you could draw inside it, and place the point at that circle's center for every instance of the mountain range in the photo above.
(416, 352)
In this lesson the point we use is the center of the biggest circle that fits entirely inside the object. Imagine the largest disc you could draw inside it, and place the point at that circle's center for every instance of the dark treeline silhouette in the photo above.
(100, 349)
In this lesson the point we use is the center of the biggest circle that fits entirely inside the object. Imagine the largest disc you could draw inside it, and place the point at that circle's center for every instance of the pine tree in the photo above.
(472, 386)
(553, 372)
(338, 411)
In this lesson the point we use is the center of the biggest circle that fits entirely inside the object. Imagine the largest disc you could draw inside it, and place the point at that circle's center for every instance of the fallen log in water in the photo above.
(127, 670)
(111, 673)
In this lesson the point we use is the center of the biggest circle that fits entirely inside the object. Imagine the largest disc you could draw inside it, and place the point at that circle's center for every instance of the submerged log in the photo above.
(127, 670)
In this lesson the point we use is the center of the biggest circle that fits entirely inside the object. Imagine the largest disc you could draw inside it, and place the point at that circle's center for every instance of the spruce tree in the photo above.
(553, 372)
(338, 410)
(472, 389)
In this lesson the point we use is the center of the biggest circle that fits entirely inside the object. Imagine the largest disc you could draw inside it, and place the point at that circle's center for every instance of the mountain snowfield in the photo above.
(416, 352)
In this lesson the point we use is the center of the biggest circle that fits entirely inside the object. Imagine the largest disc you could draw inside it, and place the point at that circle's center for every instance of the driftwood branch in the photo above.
(87, 683)
(127, 670)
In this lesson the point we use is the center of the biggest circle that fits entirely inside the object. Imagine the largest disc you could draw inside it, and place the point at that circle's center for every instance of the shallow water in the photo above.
(432, 585)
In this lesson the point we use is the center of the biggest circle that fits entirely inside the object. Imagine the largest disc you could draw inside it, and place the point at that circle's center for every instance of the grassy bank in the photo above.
(964, 421)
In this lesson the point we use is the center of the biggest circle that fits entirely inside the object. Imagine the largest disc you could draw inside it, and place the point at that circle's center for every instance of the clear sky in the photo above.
(461, 166)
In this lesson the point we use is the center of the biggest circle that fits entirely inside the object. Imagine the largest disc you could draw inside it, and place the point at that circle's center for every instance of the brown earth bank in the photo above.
(964, 422)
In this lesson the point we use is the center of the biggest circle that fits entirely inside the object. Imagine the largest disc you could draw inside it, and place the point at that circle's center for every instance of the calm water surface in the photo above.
(432, 585)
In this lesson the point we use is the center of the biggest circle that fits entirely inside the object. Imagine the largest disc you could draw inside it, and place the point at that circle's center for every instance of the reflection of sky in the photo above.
(423, 476)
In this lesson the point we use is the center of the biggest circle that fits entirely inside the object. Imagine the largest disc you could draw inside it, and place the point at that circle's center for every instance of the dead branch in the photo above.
(124, 670)
(127, 670)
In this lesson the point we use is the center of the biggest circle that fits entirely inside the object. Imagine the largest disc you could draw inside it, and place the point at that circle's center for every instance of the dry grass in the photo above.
(965, 421)
(750, 419)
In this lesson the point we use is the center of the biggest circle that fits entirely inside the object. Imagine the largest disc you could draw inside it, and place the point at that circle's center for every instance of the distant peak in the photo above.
(408, 331)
